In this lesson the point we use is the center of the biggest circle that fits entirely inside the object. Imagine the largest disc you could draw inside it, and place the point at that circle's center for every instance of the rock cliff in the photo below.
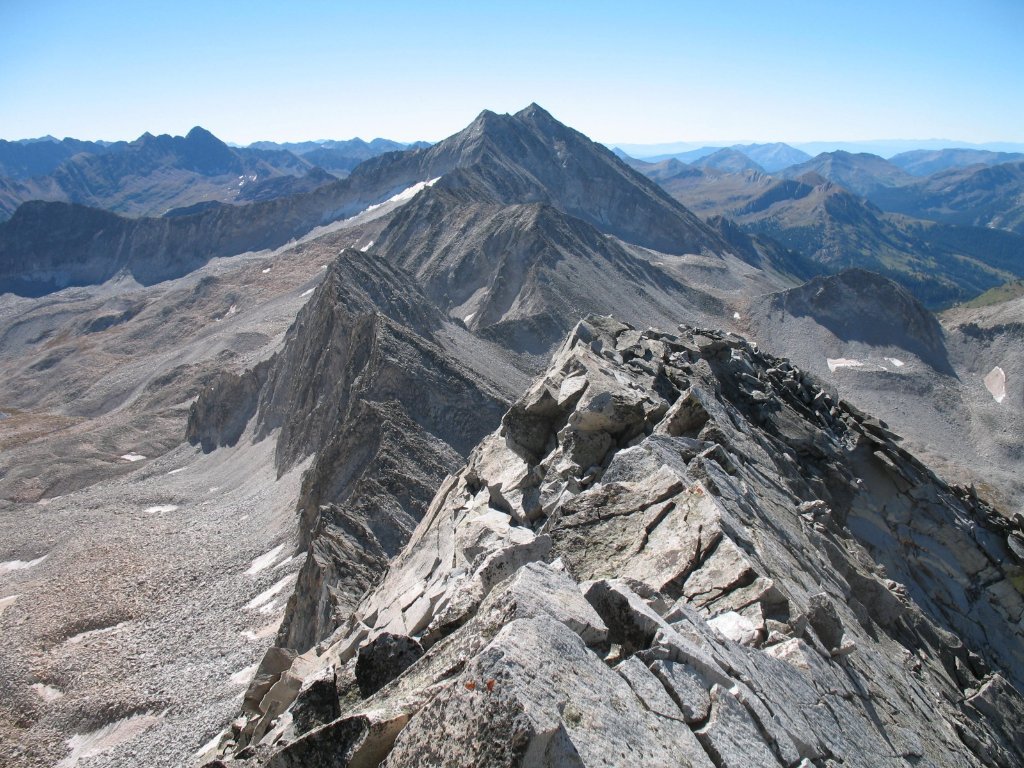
(676, 550)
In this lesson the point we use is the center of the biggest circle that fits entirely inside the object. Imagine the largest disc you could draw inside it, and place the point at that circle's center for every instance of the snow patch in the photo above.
(367, 247)
(7, 602)
(130, 457)
(264, 632)
(995, 383)
(46, 692)
(97, 742)
(842, 362)
(266, 270)
(176, 471)
(896, 361)
(83, 636)
(158, 508)
(307, 292)
(20, 565)
(268, 595)
(469, 317)
(265, 561)
(406, 194)
(735, 315)
(270, 608)
(737, 628)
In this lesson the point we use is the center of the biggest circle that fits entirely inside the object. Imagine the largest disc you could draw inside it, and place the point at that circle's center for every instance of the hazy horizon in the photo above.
(882, 147)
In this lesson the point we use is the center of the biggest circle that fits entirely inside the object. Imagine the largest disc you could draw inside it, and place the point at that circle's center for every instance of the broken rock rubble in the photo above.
(676, 550)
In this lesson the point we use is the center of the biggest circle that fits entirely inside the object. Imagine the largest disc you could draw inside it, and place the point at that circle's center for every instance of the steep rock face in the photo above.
(524, 273)
(531, 157)
(677, 550)
(363, 384)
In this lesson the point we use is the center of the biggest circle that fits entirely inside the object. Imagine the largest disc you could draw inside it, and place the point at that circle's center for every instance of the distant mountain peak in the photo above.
(200, 133)
(535, 113)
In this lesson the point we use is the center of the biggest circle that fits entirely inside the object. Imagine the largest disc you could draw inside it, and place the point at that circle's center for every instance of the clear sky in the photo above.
(640, 72)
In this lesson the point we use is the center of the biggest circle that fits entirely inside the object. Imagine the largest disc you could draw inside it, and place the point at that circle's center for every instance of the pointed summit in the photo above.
(535, 114)
(198, 133)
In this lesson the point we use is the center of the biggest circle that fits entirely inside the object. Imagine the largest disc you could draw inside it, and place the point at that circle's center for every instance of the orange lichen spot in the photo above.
(490, 685)
(471, 685)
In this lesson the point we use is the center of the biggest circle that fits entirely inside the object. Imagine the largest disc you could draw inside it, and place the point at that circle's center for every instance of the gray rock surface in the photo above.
(884, 352)
(767, 577)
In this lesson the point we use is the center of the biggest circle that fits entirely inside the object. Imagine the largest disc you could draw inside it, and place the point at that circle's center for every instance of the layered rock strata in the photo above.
(676, 550)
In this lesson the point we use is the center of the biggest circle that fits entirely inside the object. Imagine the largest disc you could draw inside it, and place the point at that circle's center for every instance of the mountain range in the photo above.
(159, 175)
(507, 451)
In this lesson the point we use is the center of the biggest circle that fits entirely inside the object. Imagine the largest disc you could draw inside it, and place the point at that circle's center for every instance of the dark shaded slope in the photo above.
(523, 273)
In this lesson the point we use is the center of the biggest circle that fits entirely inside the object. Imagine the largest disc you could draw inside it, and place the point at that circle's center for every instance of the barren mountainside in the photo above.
(675, 550)
(511, 451)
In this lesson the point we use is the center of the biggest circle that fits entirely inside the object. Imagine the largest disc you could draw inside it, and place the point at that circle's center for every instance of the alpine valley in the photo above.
(509, 450)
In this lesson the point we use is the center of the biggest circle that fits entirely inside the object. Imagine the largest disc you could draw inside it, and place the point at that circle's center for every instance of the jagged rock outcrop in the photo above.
(676, 550)
(369, 382)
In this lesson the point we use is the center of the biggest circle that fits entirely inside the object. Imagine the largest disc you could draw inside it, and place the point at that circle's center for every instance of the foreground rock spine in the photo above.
(676, 550)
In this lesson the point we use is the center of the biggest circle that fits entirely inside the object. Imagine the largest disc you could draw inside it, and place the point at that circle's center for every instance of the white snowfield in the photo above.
(842, 362)
(265, 561)
(403, 196)
(46, 692)
(157, 508)
(835, 363)
(269, 594)
(20, 565)
(995, 383)
(132, 457)
(109, 736)
(83, 636)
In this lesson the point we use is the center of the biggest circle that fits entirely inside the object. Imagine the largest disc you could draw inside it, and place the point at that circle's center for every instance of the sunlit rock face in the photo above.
(676, 550)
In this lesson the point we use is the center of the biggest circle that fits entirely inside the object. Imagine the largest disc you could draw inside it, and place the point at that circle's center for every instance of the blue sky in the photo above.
(640, 72)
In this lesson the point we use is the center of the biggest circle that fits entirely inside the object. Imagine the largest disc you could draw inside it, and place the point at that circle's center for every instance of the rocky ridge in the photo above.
(388, 395)
(676, 549)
